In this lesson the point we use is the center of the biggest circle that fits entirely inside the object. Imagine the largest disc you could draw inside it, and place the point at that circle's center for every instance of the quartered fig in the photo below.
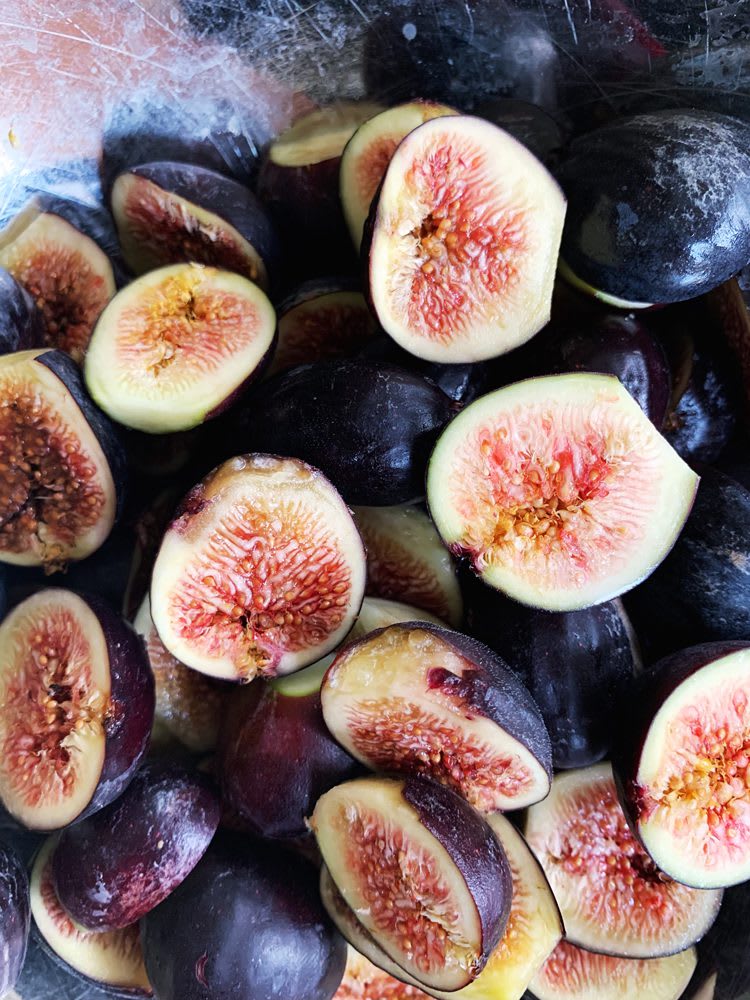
(261, 572)
(420, 699)
(417, 844)
(464, 239)
(612, 896)
(21, 320)
(15, 917)
(76, 707)
(558, 490)
(175, 346)
(365, 981)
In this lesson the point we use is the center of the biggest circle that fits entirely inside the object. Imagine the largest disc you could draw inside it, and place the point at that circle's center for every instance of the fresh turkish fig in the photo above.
(76, 708)
(21, 320)
(558, 490)
(168, 213)
(15, 917)
(176, 347)
(540, 132)
(613, 898)
(419, 699)
(262, 571)
(462, 241)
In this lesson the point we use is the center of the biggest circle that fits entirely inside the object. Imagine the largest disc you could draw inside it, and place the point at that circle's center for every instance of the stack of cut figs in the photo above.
(376, 566)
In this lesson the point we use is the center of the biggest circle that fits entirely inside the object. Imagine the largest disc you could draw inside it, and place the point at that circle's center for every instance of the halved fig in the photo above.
(376, 613)
(177, 345)
(612, 896)
(406, 561)
(67, 274)
(62, 466)
(423, 872)
(112, 868)
(169, 212)
(189, 705)
(571, 973)
(368, 153)
(14, 918)
(419, 699)
(111, 961)
(365, 981)
(21, 320)
(684, 765)
(76, 707)
(559, 490)
(464, 239)
(261, 572)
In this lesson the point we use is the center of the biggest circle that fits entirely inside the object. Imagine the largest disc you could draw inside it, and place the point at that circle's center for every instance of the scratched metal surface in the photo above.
(87, 79)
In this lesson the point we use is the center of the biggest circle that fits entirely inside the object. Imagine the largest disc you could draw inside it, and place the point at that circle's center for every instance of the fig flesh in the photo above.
(76, 707)
(177, 345)
(365, 981)
(463, 244)
(419, 699)
(559, 490)
(15, 917)
(21, 321)
(377, 613)
(261, 572)
(613, 898)
(440, 861)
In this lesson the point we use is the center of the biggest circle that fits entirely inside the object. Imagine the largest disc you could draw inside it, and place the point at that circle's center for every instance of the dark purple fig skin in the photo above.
(531, 125)
(368, 427)
(15, 917)
(314, 287)
(278, 758)
(724, 949)
(246, 924)
(21, 323)
(109, 870)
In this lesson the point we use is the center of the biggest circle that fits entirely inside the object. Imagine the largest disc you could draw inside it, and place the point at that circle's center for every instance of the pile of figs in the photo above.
(375, 567)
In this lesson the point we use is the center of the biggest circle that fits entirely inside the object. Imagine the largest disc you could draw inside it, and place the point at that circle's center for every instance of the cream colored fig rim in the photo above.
(320, 135)
(566, 272)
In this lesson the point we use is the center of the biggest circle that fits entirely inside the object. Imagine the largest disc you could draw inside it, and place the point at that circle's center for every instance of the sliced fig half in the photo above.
(261, 572)
(612, 897)
(76, 707)
(14, 918)
(559, 490)
(175, 346)
(685, 765)
(423, 872)
(416, 698)
(464, 240)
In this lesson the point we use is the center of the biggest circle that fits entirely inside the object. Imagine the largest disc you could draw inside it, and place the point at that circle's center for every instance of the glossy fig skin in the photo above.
(21, 323)
(529, 123)
(247, 924)
(15, 917)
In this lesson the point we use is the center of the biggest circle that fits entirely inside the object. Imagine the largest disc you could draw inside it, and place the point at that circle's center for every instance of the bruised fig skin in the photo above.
(419, 699)
(15, 917)
(21, 321)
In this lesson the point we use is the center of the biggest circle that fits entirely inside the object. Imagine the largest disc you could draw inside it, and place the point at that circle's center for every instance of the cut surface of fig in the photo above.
(261, 572)
(377, 613)
(174, 346)
(465, 235)
(559, 490)
(422, 871)
(365, 981)
(320, 135)
(612, 896)
(420, 699)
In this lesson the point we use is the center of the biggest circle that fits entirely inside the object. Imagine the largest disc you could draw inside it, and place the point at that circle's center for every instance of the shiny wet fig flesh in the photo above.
(15, 917)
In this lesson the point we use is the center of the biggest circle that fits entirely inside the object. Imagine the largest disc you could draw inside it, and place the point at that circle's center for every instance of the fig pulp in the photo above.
(168, 213)
(63, 469)
(21, 321)
(76, 707)
(177, 345)
(261, 572)
(419, 699)
(423, 872)
(14, 917)
(558, 490)
(612, 896)
(462, 242)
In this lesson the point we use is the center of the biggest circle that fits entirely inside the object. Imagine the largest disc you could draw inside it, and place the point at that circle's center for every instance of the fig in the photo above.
(177, 345)
(537, 129)
(462, 242)
(113, 867)
(420, 699)
(406, 561)
(111, 961)
(68, 276)
(683, 765)
(365, 981)
(76, 707)
(262, 571)
(376, 613)
(368, 153)
(533, 929)
(724, 950)
(612, 896)
(246, 924)
(189, 705)
(424, 873)
(15, 917)
(571, 973)
(63, 468)
(21, 321)
(558, 490)
(168, 213)
(368, 426)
